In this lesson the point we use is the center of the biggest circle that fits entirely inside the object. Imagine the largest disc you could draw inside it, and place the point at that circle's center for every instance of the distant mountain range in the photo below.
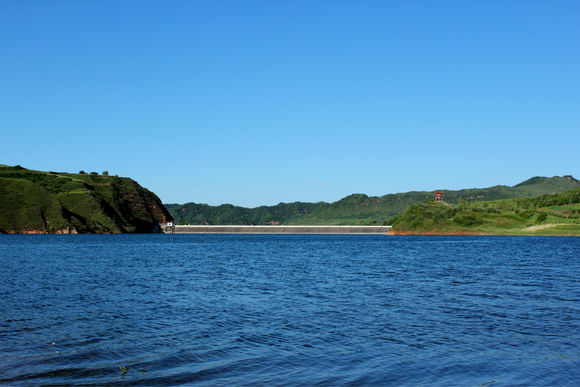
(359, 208)
(36, 202)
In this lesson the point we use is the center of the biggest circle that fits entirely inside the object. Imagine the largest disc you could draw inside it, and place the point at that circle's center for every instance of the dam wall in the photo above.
(281, 229)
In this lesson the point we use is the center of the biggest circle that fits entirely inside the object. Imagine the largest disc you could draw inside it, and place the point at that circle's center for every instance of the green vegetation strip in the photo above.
(358, 209)
(556, 214)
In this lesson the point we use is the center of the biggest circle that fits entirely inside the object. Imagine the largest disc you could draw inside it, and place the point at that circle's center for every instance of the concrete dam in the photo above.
(369, 230)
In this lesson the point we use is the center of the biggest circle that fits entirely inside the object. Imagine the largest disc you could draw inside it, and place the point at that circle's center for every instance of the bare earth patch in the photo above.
(543, 226)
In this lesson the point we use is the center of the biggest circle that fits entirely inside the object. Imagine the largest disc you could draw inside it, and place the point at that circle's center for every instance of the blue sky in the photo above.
(260, 102)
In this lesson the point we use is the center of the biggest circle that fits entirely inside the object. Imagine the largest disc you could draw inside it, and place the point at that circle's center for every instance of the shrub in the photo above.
(82, 173)
(541, 217)
(526, 214)
(467, 220)
(393, 219)
(105, 173)
(416, 223)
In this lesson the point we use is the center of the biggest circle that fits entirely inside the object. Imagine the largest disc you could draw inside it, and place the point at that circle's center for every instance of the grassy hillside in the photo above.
(56, 202)
(555, 214)
(362, 209)
(359, 208)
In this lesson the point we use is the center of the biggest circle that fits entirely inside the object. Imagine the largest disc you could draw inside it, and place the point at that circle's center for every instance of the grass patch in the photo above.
(543, 215)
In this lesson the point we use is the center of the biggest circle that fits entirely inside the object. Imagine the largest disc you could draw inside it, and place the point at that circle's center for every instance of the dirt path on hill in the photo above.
(543, 226)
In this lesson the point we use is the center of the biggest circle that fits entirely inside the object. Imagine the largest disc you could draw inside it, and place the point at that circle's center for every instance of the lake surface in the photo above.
(289, 310)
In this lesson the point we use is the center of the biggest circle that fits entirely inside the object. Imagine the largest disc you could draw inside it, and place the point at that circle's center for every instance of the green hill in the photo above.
(555, 214)
(192, 213)
(57, 202)
(358, 208)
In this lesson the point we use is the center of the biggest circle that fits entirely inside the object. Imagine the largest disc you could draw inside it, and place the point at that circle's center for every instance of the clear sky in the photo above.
(260, 102)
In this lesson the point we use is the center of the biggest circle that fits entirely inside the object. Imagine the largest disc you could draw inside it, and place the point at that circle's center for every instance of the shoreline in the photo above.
(466, 233)
(295, 229)
(442, 233)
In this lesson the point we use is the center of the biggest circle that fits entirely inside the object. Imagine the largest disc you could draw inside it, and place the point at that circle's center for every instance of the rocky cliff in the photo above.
(62, 203)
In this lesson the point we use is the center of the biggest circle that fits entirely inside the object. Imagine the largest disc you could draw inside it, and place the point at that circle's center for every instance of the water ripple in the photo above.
(289, 310)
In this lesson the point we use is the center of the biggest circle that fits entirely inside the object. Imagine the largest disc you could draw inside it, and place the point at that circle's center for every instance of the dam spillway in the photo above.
(228, 229)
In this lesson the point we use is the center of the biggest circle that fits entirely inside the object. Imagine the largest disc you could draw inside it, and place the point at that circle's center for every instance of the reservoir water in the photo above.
(289, 310)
